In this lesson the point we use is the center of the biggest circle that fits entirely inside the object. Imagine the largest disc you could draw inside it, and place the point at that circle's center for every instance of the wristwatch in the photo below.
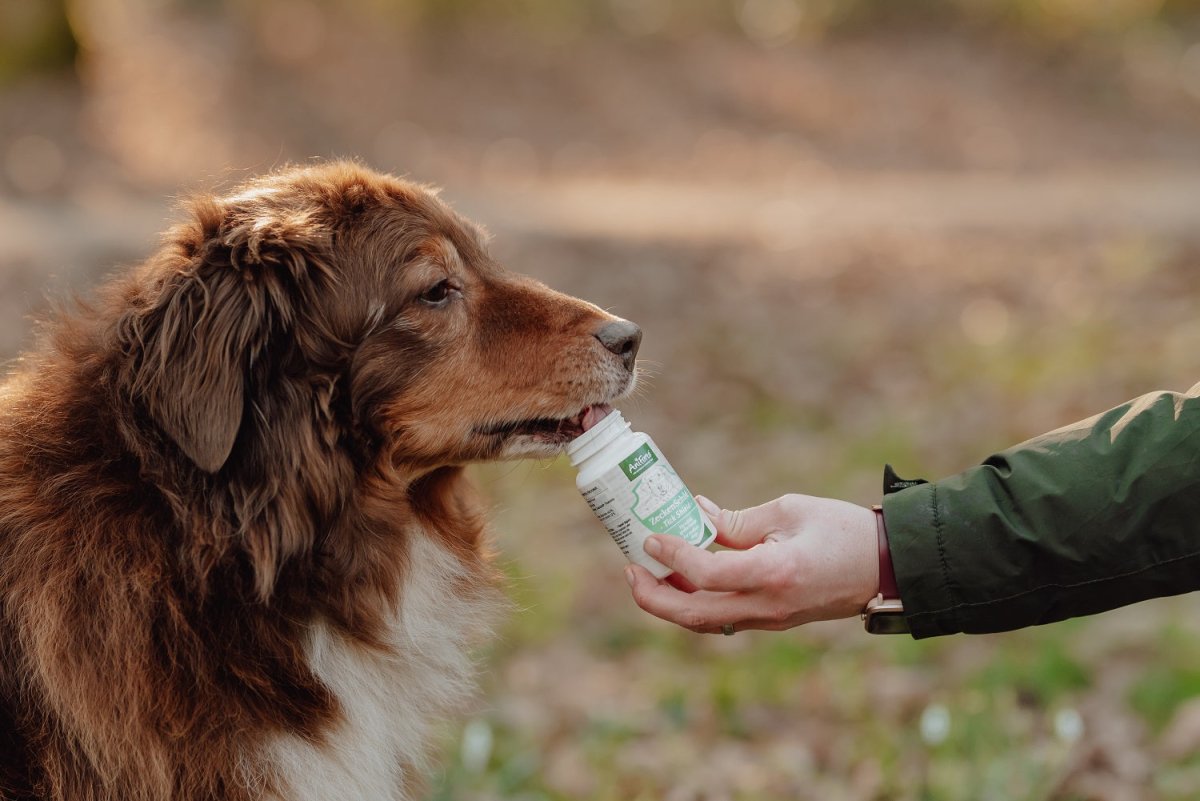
(884, 614)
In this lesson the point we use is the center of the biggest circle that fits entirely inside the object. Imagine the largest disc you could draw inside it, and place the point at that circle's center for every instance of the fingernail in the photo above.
(630, 577)
(652, 547)
(711, 509)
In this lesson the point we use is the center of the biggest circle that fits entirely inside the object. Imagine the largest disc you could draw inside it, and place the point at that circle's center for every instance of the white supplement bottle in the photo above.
(632, 488)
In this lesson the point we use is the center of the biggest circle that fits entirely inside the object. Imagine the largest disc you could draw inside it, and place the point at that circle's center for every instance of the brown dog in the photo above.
(238, 556)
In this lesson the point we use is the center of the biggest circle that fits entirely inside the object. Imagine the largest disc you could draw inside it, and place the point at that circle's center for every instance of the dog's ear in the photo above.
(192, 378)
(223, 288)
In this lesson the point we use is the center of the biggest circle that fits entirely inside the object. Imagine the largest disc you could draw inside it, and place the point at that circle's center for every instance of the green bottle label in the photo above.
(665, 506)
(636, 463)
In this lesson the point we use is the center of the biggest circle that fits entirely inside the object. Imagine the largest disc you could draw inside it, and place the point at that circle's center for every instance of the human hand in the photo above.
(794, 560)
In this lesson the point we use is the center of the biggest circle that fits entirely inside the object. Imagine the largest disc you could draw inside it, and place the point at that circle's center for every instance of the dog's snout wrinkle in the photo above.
(622, 338)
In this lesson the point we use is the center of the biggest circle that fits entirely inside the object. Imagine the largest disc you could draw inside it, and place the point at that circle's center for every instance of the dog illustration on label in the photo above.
(665, 506)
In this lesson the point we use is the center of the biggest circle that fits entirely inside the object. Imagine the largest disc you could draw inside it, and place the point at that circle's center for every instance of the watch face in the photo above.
(887, 623)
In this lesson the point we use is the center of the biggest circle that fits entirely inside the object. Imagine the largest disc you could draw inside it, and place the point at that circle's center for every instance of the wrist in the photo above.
(852, 573)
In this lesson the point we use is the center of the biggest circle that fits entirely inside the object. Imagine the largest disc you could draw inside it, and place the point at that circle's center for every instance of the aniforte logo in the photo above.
(633, 464)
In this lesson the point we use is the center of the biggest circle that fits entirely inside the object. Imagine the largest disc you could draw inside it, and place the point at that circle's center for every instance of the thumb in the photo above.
(741, 528)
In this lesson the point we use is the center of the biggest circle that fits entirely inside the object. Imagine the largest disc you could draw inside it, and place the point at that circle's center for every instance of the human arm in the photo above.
(1096, 515)
(1102, 513)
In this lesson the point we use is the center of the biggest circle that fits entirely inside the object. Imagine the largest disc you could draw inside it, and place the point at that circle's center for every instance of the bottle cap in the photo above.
(594, 438)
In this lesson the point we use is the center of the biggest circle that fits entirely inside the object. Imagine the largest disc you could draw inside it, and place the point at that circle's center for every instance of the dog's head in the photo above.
(346, 309)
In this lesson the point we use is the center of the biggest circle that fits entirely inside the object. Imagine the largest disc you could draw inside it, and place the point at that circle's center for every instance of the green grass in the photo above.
(1162, 690)
(1038, 676)
(1169, 680)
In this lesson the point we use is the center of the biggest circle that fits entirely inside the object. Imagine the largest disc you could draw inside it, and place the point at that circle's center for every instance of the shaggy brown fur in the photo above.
(239, 441)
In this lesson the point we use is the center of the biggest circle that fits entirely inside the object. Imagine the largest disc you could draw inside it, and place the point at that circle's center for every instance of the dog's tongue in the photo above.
(594, 414)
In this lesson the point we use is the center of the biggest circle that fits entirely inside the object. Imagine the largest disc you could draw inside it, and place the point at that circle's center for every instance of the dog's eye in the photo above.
(438, 294)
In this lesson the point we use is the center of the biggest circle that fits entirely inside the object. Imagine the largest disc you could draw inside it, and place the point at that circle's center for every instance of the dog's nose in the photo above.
(622, 338)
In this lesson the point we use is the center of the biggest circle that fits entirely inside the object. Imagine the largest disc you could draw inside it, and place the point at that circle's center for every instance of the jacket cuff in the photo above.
(923, 574)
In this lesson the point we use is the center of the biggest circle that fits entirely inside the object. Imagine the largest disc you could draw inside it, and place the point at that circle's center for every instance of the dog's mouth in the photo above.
(555, 430)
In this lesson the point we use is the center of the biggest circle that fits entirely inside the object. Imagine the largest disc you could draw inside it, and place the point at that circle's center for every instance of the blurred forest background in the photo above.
(854, 232)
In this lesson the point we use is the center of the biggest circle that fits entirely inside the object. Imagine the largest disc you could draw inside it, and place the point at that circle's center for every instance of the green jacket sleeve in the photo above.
(1102, 513)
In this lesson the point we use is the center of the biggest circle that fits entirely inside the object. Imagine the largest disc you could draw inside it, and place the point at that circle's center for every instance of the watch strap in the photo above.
(887, 572)
(884, 614)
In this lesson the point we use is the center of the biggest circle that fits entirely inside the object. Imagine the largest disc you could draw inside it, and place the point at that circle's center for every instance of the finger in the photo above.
(745, 528)
(722, 571)
(700, 611)
(680, 582)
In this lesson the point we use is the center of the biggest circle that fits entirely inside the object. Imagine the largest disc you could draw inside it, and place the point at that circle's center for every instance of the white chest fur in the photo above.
(391, 700)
